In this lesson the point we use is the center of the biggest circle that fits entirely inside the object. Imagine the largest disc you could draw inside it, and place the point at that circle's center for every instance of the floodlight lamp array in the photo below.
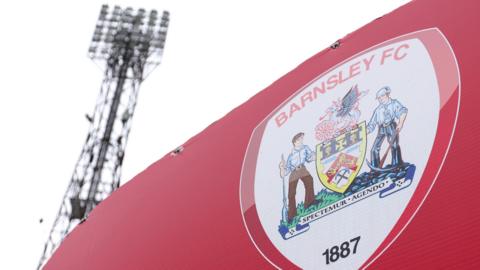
(143, 32)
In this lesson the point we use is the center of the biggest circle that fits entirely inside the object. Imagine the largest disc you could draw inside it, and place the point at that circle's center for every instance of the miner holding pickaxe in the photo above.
(385, 116)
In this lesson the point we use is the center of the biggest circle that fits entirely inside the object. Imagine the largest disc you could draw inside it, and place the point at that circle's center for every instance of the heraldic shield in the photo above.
(339, 159)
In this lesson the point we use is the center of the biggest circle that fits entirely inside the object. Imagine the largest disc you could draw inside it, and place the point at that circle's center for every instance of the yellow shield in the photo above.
(339, 159)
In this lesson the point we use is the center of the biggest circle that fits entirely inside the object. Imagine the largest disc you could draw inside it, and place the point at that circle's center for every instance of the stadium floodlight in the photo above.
(128, 45)
(143, 32)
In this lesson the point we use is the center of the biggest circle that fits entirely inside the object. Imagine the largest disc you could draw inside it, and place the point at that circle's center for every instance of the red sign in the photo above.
(396, 101)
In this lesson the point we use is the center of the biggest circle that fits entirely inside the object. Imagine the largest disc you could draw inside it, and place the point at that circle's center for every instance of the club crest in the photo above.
(348, 158)
(339, 159)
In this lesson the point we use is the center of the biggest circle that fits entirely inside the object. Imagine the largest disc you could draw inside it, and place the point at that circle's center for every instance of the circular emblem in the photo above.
(337, 171)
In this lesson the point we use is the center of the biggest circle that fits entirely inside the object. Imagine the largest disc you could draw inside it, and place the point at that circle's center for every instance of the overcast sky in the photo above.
(217, 55)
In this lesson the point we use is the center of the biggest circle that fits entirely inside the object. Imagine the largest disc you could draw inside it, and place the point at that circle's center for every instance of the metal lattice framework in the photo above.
(128, 45)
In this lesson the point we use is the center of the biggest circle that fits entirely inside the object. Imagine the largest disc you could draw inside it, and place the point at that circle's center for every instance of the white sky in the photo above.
(218, 54)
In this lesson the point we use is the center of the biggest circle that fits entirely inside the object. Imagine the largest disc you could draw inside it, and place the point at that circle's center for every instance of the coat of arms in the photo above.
(350, 156)
(339, 156)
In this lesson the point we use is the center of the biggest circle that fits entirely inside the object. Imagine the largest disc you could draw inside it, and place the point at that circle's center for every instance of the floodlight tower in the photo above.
(128, 45)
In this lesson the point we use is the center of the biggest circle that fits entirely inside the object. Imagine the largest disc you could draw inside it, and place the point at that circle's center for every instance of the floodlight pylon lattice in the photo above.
(127, 45)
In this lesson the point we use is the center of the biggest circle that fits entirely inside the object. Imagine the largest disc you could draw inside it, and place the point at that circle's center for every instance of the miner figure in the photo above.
(389, 116)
